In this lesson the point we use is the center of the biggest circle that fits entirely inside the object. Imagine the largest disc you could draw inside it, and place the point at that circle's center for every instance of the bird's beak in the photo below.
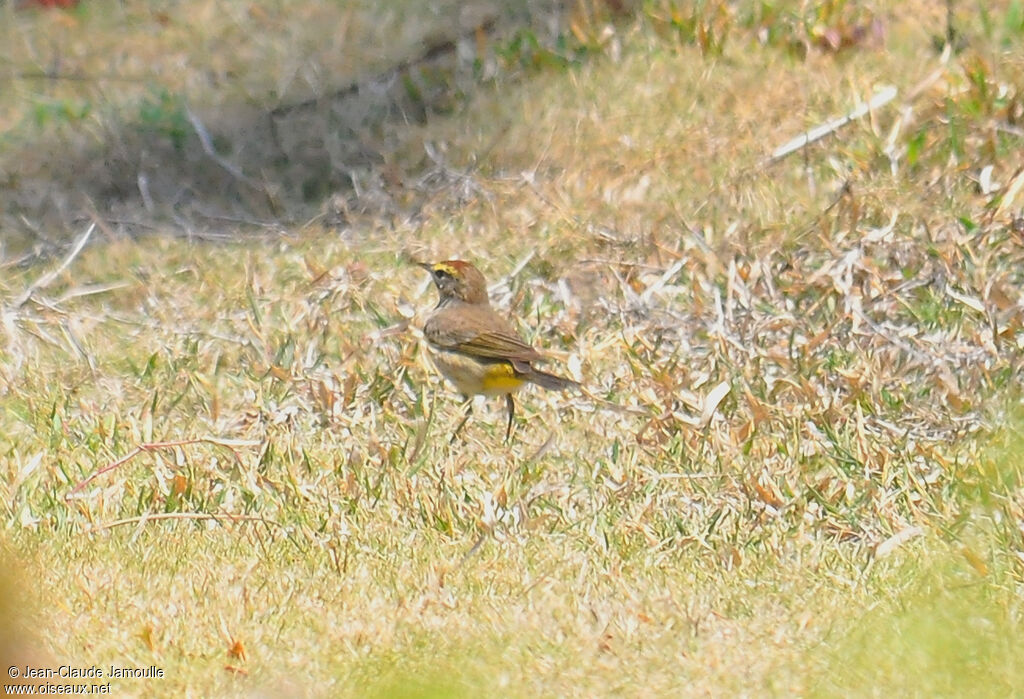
(426, 265)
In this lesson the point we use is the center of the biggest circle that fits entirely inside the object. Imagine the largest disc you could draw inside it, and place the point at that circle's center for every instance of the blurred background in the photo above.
(254, 116)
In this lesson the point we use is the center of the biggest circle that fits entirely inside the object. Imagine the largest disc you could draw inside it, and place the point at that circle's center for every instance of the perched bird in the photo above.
(475, 348)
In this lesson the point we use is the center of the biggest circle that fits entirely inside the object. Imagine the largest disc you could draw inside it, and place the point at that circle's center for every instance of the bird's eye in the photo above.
(442, 274)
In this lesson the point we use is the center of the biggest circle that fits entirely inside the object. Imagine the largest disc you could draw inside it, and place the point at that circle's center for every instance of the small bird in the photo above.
(475, 348)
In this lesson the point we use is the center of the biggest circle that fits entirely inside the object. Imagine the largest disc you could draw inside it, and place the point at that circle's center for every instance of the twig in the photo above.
(76, 344)
(80, 77)
(506, 281)
(879, 99)
(472, 550)
(207, 144)
(48, 278)
(610, 406)
(434, 50)
(219, 517)
(544, 448)
(230, 444)
(1006, 127)
(845, 190)
(660, 283)
(90, 290)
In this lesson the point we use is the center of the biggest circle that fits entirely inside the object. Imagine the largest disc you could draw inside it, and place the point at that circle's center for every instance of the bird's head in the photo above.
(457, 280)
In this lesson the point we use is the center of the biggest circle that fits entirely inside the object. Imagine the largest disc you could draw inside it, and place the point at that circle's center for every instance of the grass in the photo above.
(794, 470)
(211, 113)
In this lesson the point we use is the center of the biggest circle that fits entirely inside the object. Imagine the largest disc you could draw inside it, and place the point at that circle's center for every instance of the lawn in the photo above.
(794, 466)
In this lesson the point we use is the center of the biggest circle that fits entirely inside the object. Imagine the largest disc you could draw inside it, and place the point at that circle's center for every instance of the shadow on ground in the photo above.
(349, 150)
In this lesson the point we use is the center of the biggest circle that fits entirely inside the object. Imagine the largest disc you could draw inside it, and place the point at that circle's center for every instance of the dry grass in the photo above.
(796, 469)
(193, 116)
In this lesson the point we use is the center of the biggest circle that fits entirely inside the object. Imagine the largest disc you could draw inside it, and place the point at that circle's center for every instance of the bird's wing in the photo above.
(480, 333)
(500, 346)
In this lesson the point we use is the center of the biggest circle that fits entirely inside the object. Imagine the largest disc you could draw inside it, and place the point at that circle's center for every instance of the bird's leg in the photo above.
(465, 418)
(511, 413)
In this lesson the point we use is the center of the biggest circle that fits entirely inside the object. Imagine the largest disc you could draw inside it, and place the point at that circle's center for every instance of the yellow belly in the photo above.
(475, 377)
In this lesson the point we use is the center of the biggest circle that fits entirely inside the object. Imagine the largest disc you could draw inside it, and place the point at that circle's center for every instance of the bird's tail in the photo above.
(549, 381)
